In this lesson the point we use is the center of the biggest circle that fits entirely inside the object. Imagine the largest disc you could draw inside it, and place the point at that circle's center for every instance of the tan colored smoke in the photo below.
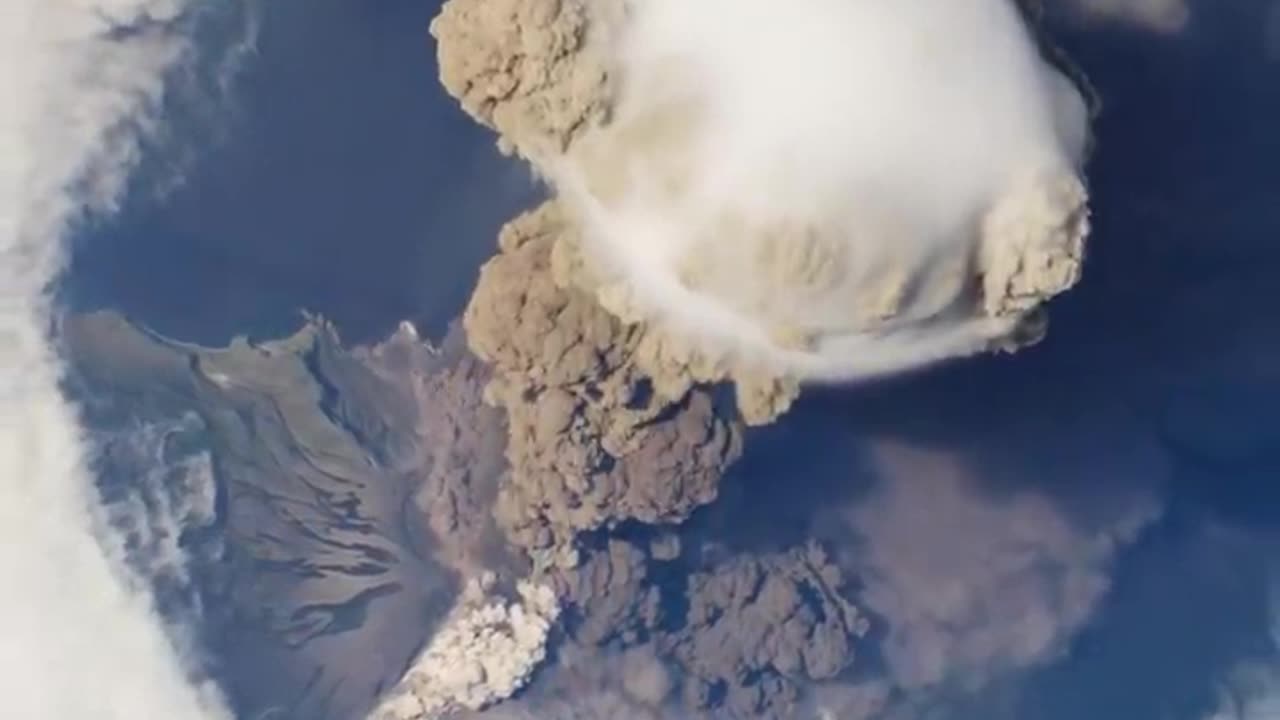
(486, 650)
(811, 193)
(799, 194)
(589, 348)
(808, 201)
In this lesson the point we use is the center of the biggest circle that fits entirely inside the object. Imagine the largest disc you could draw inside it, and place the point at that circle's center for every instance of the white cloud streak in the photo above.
(82, 82)
(821, 187)
(1161, 16)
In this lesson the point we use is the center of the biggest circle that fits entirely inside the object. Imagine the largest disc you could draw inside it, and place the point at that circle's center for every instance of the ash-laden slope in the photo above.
(351, 490)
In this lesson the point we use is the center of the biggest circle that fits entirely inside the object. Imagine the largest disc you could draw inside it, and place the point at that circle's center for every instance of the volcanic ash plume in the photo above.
(748, 193)
(846, 188)
(836, 190)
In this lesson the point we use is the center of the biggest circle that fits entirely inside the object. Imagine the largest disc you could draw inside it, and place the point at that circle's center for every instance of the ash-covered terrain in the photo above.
(343, 495)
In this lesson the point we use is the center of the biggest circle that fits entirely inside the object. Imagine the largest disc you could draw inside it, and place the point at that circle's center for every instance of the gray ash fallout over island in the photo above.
(552, 511)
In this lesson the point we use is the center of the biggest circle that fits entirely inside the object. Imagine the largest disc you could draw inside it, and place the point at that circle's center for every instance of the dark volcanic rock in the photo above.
(350, 488)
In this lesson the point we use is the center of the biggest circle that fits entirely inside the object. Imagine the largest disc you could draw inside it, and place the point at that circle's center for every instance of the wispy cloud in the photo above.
(1165, 16)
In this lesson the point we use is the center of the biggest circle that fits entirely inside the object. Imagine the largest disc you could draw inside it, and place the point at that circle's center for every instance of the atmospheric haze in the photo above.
(82, 83)
(845, 189)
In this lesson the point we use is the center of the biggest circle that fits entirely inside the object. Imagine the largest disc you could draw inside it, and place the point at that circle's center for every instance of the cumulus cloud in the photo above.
(83, 83)
(844, 189)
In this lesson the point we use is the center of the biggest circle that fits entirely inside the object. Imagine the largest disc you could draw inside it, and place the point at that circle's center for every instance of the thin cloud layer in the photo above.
(82, 85)
(971, 583)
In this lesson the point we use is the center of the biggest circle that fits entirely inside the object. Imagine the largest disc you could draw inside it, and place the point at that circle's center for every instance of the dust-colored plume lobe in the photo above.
(844, 189)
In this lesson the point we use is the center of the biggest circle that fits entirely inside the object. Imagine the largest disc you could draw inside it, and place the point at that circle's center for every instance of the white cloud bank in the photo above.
(832, 188)
(80, 82)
